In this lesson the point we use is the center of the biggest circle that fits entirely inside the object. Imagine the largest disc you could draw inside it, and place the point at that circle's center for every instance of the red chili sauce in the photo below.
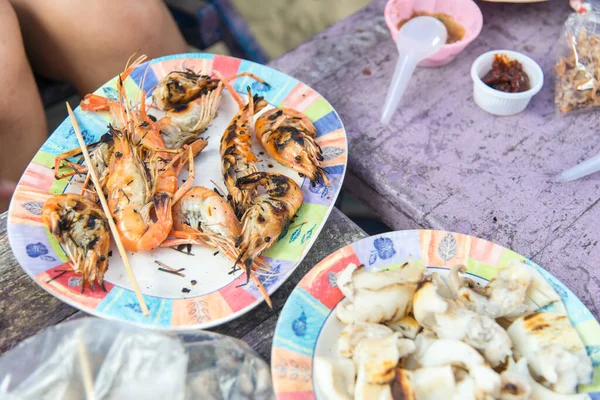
(507, 75)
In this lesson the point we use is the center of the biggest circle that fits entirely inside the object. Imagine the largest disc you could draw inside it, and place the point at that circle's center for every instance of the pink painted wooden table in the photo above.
(443, 163)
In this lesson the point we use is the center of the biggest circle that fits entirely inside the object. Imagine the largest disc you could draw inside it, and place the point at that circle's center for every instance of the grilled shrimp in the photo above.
(80, 226)
(100, 154)
(268, 216)
(236, 153)
(202, 217)
(191, 101)
(181, 87)
(131, 198)
(183, 124)
(288, 136)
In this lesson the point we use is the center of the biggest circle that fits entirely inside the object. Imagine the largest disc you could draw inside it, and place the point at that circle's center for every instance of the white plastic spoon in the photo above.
(582, 169)
(419, 38)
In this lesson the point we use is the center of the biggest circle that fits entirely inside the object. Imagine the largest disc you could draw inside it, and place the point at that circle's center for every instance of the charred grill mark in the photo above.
(63, 223)
(91, 222)
(540, 327)
(125, 194)
(181, 108)
(92, 242)
(530, 316)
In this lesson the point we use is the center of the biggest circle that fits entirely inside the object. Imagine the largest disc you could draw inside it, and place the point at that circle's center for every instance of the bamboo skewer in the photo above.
(111, 223)
(84, 361)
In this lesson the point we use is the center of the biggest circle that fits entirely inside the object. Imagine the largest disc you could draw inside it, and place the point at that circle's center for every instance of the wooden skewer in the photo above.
(111, 223)
(84, 361)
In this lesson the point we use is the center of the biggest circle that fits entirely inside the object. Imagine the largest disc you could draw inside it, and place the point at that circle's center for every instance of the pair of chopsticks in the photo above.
(111, 222)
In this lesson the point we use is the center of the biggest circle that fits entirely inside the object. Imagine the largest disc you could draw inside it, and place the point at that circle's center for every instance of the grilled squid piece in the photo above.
(81, 227)
(335, 377)
(537, 390)
(288, 136)
(516, 290)
(451, 321)
(377, 297)
(553, 350)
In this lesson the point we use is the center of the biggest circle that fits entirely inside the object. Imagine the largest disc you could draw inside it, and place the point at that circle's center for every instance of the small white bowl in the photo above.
(501, 103)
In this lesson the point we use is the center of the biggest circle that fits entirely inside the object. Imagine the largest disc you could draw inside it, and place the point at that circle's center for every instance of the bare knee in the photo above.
(89, 42)
(12, 53)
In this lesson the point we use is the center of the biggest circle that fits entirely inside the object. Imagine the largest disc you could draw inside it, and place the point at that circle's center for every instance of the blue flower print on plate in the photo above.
(383, 249)
(36, 249)
(299, 325)
(388, 249)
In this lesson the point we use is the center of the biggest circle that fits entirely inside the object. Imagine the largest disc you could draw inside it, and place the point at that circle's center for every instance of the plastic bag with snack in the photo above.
(578, 65)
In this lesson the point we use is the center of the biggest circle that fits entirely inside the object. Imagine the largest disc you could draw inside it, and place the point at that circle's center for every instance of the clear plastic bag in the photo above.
(97, 359)
(578, 65)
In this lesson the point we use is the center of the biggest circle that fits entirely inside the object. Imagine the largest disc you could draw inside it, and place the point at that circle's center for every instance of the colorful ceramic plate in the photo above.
(208, 295)
(308, 326)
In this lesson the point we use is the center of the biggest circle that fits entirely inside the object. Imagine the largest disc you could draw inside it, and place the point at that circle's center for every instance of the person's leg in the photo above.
(22, 118)
(88, 42)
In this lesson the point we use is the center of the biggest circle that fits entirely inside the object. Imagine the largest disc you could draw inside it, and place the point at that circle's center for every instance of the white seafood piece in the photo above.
(376, 359)
(451, 321)
(553, 349)
(370, 391)
(357, 331)
(449, 351)
(353, 278)
(385, 305)
(538, 391)
(422, 342)
(408, 326)
(432, 383)
(539, 294)
(465, 389)
(335, 377)
(514, 386)
(442, 286)
(516, 290)
(344, 281)
(456, 353)
(504, 294)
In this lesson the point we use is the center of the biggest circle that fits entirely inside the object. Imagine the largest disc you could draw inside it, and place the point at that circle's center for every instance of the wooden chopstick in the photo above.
(111, 223)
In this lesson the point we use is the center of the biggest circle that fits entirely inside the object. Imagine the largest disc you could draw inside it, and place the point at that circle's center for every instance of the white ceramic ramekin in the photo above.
(502, 103)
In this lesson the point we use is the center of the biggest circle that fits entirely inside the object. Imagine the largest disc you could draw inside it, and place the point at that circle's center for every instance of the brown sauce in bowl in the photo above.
(507, 75)
(455, 31)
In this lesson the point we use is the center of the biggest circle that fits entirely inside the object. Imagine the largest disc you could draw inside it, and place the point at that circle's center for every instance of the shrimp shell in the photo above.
(288, 136)
(81, 227)
(236, 153)
(268, 216)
